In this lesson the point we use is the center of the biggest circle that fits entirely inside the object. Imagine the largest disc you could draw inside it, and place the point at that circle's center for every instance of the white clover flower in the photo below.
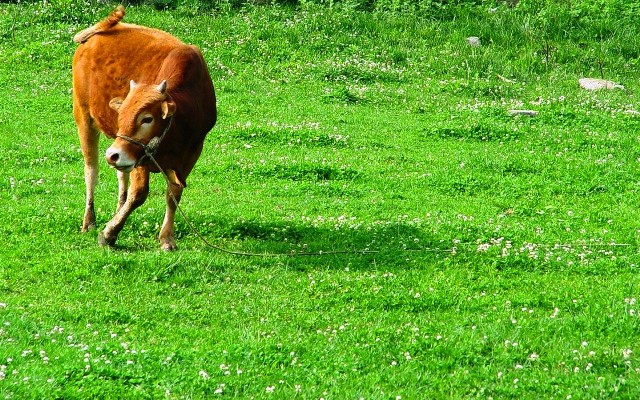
(483, 247)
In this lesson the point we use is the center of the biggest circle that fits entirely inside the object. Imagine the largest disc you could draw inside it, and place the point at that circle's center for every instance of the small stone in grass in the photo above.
(474, 41)
(528, 113)
(597, 84)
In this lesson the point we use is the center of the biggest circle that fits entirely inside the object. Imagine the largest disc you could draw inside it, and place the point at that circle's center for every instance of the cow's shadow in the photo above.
(307, 244)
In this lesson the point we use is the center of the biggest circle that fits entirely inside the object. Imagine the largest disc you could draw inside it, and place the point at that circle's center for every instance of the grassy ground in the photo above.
(507, 247)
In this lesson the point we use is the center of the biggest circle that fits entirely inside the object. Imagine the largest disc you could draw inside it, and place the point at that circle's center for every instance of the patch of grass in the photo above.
(502, 256)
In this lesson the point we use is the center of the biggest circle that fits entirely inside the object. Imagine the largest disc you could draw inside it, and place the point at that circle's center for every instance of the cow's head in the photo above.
(143, 115)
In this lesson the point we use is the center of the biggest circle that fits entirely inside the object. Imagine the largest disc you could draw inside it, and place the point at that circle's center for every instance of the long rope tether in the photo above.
(293, 253)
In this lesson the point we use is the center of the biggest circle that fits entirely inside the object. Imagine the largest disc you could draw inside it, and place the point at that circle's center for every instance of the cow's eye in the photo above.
(146, 120)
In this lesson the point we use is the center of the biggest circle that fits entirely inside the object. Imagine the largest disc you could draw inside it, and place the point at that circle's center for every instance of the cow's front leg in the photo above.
(137, 194)
(174, 192)
(123, 186)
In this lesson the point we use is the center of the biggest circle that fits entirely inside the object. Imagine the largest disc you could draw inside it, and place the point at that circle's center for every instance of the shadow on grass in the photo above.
(336, 237)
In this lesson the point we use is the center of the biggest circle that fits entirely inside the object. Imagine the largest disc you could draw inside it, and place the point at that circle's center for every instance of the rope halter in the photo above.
(149, 148)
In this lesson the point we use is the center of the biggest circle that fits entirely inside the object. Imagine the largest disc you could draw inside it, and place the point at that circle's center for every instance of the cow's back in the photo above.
(104, 65)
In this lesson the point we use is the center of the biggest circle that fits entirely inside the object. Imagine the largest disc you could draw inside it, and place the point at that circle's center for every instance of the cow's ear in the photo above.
(115, 103)
(168, 108)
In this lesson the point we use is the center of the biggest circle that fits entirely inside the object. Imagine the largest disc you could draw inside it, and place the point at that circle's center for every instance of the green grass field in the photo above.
(503, 256)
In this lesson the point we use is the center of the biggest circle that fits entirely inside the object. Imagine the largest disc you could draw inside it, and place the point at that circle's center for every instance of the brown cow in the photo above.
(154, 96)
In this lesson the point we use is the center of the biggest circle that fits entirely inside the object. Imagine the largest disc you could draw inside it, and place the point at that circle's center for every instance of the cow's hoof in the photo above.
(87, 227)
(89, 220)
(169, 246)
(104, 242)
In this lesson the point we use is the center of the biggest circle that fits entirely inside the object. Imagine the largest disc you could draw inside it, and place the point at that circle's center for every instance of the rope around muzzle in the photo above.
(149, 148)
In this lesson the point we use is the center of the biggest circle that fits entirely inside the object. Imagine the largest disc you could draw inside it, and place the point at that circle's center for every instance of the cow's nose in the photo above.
(112, 156)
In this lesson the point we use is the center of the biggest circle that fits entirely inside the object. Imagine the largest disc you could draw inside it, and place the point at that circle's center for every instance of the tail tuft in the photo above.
(112, 20)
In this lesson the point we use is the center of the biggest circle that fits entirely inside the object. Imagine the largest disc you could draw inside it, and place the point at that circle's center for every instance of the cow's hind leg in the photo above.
(137, 194)
(89, 138)
(174, 192)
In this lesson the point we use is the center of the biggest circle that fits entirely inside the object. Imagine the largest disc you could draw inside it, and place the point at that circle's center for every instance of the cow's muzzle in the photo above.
(118, 159)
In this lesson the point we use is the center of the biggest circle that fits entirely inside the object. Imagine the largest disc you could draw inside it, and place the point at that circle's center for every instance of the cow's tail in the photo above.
(104, 25)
